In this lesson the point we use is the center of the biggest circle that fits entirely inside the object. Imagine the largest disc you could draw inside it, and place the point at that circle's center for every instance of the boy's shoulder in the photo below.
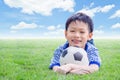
(87, 46)
(65, 45)
(90, 46)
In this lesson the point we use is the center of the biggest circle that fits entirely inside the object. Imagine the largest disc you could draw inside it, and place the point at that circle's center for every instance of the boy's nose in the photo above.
(77, 34)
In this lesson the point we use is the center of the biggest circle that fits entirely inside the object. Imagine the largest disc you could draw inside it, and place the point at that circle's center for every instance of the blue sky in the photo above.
(46, 18)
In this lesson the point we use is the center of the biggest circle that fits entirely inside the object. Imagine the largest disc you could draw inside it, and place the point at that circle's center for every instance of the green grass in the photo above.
(29, 60)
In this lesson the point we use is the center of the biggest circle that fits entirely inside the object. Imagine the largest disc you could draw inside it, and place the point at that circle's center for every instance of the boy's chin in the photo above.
(76, 46)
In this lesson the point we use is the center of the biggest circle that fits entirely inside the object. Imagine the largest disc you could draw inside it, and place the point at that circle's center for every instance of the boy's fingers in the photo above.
(63, 69)
(60, 71)
(82, 71)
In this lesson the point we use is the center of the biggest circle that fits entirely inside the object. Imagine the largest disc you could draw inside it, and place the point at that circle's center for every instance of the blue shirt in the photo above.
(92, 53)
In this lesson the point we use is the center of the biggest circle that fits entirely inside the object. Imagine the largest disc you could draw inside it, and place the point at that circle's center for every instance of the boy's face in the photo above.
(77, 34)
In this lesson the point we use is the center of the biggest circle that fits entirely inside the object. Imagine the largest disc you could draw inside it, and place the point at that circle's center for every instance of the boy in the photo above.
(78, 32)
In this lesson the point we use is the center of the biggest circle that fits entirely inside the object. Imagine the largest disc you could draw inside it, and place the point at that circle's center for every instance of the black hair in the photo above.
(80, 17)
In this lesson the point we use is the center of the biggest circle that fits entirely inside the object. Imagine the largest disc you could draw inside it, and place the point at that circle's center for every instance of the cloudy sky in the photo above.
(46, 18)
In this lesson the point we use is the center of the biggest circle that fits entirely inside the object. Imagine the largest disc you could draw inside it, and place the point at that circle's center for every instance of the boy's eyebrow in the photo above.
(75, 28)
(71, 27)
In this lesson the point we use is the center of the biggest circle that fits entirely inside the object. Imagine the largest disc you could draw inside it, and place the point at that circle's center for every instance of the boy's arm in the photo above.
(64, 69)
(84, 69)
(55, 59)
(76, 69)
(55, 68)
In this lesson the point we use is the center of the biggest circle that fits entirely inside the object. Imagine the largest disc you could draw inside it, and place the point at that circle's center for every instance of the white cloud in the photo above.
(56, 31)
(51, 28)
(98, 32)
(100, 27)
(13, 31)
(107, 8)
(91, 12)
(116, 14)
(117, 25)
(23, 25)
(91, 4)
(43, 7)
(59, 26)
(41, 26)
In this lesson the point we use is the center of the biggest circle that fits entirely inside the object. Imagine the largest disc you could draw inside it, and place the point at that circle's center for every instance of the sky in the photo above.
(46, 18)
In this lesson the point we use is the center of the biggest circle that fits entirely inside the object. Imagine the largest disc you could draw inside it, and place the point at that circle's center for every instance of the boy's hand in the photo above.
(75, 69)
(64, 69)
(85, 69)
(80, 71)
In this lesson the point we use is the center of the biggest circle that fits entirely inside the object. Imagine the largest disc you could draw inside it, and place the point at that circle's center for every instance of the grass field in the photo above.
(29, 60)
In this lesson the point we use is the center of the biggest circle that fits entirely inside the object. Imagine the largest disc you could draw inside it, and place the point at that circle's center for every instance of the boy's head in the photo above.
(78, 29)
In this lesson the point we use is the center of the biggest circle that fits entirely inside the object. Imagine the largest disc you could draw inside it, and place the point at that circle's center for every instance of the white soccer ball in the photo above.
(74, 55)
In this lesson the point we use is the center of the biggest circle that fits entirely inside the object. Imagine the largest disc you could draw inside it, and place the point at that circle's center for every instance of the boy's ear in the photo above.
(90, 36)
(65, 32)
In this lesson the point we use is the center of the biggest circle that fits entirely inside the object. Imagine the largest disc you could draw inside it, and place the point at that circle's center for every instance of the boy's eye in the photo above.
(72, 31)
(82, 32)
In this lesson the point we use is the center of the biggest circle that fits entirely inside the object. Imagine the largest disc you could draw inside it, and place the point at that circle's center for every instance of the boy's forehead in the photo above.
(78, 25)
(77, 22)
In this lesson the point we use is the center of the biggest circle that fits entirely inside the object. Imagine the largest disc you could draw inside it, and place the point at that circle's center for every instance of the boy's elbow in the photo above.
(94, 68)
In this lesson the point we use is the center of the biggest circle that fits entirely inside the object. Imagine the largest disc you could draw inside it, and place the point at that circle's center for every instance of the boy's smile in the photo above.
(76, 41)
(78, 34)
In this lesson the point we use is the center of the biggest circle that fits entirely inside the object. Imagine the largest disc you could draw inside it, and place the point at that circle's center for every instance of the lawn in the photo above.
(28, 59)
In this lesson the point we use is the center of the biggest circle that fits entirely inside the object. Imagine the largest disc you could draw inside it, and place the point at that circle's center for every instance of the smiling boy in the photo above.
(78, 32)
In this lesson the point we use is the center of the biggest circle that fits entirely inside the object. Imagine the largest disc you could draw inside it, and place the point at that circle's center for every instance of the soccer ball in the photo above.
(74, 55)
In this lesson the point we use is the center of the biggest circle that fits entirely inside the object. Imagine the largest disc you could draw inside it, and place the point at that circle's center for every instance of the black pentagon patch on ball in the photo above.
(78, 56)
(64, 53)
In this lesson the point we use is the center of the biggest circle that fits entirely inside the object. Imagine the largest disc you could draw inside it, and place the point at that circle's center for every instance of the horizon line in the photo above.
(54, 37)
